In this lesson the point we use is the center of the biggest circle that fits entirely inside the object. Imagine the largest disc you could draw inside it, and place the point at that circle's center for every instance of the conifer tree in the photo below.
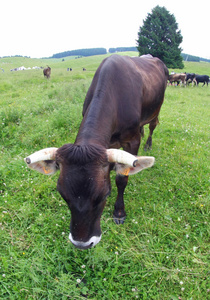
(160, 37)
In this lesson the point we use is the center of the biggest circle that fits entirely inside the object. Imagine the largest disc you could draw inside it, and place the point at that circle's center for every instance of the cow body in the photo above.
(202, 78)
(181, 77)
(47, 72)
(125, 94)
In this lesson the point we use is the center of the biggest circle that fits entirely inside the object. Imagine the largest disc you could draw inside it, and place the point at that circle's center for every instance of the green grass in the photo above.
(161, 251)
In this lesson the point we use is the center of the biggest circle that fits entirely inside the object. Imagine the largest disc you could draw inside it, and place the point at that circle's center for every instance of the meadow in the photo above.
(162, 249)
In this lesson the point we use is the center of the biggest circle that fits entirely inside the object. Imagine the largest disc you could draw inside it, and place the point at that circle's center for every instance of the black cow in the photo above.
(202, 78)
(47, 72)
(125, 94)
(190, 78)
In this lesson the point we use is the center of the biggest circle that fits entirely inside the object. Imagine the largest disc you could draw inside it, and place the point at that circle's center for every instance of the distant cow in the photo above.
(190, 78)
(178, 77)
(202, 78)
(84, 69)
(47, 72)
(126, 93)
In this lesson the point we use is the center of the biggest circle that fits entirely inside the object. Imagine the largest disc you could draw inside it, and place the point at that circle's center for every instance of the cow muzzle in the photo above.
(85, 245)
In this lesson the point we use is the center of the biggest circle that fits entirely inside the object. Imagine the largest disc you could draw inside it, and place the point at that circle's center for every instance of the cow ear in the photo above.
(43, 161)
(46, 167)
(142, 163)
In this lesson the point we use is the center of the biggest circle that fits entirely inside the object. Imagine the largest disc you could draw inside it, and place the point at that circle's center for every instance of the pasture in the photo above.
(161, 251)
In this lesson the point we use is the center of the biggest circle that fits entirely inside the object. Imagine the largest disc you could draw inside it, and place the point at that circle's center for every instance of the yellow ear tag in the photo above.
(125, 171)
(46, 171)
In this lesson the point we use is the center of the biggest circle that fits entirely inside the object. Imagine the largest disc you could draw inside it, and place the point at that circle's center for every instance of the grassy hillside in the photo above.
(161, 251)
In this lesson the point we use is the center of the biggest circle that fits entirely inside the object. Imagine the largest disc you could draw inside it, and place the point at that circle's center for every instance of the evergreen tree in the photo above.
(160, 37)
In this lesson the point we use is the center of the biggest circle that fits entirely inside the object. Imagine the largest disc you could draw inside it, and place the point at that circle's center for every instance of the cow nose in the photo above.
(85, 245)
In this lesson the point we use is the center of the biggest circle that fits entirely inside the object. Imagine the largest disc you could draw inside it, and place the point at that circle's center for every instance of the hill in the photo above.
(99, 51)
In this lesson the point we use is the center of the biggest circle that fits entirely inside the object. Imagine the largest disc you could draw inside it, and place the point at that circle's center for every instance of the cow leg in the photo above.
(152, 126)
(119, 214)
(119, 207)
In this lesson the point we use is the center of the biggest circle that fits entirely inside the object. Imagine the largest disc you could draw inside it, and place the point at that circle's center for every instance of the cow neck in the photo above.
(97, 125)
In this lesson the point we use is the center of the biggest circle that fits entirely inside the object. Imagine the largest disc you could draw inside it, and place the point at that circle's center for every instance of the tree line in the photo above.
(91, 52)
(81, 52)
(101, 51)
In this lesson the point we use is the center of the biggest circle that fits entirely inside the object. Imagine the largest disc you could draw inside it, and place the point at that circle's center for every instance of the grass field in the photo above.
(161, 251)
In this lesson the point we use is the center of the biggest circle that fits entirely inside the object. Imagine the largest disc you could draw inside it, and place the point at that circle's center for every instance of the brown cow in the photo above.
(179, 77)
(47, 72)
(125, 94)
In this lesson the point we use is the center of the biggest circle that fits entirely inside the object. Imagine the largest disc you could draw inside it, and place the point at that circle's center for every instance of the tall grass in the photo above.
(161, 251)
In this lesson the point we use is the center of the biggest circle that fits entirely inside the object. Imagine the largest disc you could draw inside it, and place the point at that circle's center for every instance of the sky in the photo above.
(41, 28)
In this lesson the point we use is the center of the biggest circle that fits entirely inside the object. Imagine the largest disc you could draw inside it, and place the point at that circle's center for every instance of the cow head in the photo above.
(84, 182)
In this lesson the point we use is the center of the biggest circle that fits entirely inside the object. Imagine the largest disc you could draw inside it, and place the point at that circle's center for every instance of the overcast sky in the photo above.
(42, 28)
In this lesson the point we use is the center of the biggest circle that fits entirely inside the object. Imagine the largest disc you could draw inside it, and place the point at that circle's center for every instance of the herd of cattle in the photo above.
(22, 68)
(187, 78)
(174, 78)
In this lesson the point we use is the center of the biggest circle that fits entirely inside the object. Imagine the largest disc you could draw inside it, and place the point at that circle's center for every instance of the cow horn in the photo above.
(44, 154)
(122, 157)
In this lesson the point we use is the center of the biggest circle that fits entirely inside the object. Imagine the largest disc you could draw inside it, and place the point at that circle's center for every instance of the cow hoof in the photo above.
(119, 221)
(147, 147)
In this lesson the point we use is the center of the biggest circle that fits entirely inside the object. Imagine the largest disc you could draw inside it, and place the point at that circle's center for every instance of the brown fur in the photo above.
(47, 72)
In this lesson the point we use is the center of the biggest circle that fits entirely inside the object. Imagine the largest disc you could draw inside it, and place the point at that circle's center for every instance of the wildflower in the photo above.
(63, 233)
(181, 282)
(78, 280)
(195, 248)
(116, 253)
(104, 279)
(3, 275)
(23, 253)
(83, 266)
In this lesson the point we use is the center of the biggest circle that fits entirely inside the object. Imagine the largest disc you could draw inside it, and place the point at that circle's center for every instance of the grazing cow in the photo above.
(202, 78)
(47, 72)
(125, 94)
(177, 78)
(190, 78)
(84, 69)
